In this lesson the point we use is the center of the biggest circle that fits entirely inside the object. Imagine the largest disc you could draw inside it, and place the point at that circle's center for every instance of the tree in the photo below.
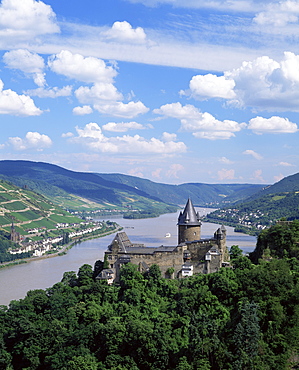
(246, 337)
(235, 252)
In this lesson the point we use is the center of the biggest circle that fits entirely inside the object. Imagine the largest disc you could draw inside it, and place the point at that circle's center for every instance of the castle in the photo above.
(192, 254)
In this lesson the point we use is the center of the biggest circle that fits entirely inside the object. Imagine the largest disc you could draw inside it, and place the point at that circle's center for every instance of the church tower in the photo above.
(189, 225)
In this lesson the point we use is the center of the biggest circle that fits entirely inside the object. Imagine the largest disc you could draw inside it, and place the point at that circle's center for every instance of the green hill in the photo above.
(265, 207)
(79, 190)
(201, 194)
(29, 210)
(89, 191)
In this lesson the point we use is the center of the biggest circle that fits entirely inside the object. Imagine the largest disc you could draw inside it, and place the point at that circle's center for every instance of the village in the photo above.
(68, 233)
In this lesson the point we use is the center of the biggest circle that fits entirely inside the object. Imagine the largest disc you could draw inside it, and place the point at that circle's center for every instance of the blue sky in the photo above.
(172, 91)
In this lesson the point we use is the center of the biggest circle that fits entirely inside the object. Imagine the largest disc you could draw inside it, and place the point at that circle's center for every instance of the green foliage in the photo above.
(235, 252)
(241, 318)
(280, 240)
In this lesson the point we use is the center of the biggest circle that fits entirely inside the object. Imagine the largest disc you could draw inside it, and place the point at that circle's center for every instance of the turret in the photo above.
(189, 225)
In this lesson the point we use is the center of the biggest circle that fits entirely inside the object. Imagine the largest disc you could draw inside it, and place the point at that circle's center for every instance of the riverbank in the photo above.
(61, 251)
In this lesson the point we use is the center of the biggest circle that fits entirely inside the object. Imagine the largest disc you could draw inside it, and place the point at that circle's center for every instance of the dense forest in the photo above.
(243, 317)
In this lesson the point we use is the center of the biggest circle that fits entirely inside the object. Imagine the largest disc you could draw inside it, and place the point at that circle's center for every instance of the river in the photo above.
(41, 274)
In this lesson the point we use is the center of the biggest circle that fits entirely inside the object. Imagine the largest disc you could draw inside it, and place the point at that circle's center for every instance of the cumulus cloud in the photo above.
(169, 136)
(54, 92)
(257, 175)
(17, 105)
(253, 154)
(81, 111)
(78, 67)
(26, 19)
(30, 63)
(263, 84)
(32, 140)
(122, 126)
(274, 124)
(174, 169)
(98, 92)
(202, 125)
(156, 173)
(120, 109)
(226, 174)
(278, 14)
(211, 86)
(103, 96)
(123, 31)
(93, 138)
(136, 172)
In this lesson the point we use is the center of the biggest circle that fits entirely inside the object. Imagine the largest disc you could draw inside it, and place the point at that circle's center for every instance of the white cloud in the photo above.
(81, 111)
(262, 84)
(54, 92)
(257, 175)
(176, 110)
(202, 125)
(156, 173)
(274, 124)
(174, 169)
(78, 67)
(225, 160)
(120, 109)
(32, 140)
(278, 14)
(214, 135)
(26, 19)
(17, 105)
(253, 154)
(93, 138)
(122, 126)
(169, 136)
(278, 177)
(211, 86)
(98, 92)
(67, 134)
(136, 172)
(285, 164)
(30, 63)
(234, 5)
(123, 31)
(226, 174)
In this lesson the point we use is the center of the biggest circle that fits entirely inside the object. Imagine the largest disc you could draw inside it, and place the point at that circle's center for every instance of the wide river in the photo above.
(15, 281)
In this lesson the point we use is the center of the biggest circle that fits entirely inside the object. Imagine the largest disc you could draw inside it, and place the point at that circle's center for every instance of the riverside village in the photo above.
(191, 255)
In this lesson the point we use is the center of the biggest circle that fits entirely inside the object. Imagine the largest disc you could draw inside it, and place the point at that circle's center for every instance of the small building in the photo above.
(106, 274)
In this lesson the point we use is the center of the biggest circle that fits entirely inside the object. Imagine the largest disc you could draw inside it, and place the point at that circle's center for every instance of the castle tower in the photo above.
(189, 225)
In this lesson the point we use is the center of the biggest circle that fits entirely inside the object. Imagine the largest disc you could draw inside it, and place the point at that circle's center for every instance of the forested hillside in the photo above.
(245, 317)
(264, 208)
(82, 190)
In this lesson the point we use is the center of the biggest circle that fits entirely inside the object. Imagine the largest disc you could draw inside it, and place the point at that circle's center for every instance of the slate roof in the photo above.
(189, 216)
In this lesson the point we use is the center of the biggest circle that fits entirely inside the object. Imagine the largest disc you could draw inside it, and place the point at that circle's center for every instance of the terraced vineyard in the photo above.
(28, 210)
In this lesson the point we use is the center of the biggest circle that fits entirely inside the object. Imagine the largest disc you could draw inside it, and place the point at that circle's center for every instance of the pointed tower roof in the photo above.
(189, 216)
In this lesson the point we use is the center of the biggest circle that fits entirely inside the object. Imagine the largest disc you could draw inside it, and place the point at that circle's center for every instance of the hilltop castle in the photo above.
(191, 255)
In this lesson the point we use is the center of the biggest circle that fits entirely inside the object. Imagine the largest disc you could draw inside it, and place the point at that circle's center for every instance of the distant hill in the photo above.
(201, 194)
(265, 207)
(81, 190)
